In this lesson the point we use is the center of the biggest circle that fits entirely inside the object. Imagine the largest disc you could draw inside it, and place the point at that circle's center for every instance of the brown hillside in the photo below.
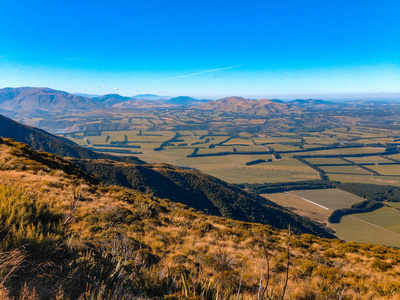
(250, 107)
(66, 239)
(29, 99)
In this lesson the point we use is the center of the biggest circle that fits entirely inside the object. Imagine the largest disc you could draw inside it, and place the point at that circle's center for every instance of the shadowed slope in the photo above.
(200, 191)
(41, 140)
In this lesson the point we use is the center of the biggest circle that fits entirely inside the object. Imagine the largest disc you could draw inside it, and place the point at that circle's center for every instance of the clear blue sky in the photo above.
(202, 48)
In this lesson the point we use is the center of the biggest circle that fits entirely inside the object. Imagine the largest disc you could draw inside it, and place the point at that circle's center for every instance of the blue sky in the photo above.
(202, 48)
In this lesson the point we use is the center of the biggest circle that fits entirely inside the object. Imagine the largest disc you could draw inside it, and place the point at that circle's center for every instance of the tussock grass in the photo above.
(122, 244)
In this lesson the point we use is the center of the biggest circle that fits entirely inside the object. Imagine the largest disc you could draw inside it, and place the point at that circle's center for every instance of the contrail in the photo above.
(202, 72)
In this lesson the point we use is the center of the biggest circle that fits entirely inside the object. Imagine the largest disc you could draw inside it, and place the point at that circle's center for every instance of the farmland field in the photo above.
(394, 204)
(296, 204)
(323, 161)
(345, 170)
(330, 198)
(240, 175)
(381, 226)
(232, 168)
(369, 160)
(394, 156)
(342, 151)
(175, 140)
(283, 147)
(373, 179)
(386, 169)
(384, 217)
(352, 228)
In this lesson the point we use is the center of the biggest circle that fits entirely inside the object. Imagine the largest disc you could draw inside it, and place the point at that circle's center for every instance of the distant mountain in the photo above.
(86, 95)
(200, 191)
(308, 102)
(151, 97)
(249, 107)
(41, 140)
(142, 104)
(184, 100)
(29, 99)
(277, 101)
(111, 99)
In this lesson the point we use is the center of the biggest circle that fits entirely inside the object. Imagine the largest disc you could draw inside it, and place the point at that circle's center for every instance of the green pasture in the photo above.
(341, 151)
(240, 175)
(330, 198)
(352, 228)
(239, 141)
(251, 148)
(350, 169)
(296, 204)
(368, 160)
(394, 156)
(384, 217)
(282, 147)
(393, 204)
(323, 161)
(217, 149)
(248, 135)
(232, 168)
(386, 169)
(371, 179)
(170, 156)
(319, 140)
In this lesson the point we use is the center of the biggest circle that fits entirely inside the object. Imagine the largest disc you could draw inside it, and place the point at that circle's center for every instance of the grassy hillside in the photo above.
(200, 191)
(41, 140)
(66, 238)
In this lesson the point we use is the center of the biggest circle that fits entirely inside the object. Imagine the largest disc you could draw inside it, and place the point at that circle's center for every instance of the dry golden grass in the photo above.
(160, 247)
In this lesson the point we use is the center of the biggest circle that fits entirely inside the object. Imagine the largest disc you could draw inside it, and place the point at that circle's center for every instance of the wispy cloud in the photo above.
(201, 72)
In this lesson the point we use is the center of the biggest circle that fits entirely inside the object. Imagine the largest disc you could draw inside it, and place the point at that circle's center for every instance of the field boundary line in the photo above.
(374, 225)
(310, 201)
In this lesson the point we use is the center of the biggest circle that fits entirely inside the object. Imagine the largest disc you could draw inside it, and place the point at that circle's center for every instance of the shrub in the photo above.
(381, 265)
(205, 227)
(94, 228)
(25, 221)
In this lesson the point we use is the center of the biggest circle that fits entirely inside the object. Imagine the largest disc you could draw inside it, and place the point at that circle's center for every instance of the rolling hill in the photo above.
(249, 107)
(30, 99)
(111, 99)
(184, 100)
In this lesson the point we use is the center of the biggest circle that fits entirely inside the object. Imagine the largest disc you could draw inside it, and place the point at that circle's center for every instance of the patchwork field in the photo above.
(233, 168)
(174, 145)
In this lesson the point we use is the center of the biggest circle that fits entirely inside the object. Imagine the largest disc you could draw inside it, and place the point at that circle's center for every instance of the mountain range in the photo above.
(29, 99)
(37, 101)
